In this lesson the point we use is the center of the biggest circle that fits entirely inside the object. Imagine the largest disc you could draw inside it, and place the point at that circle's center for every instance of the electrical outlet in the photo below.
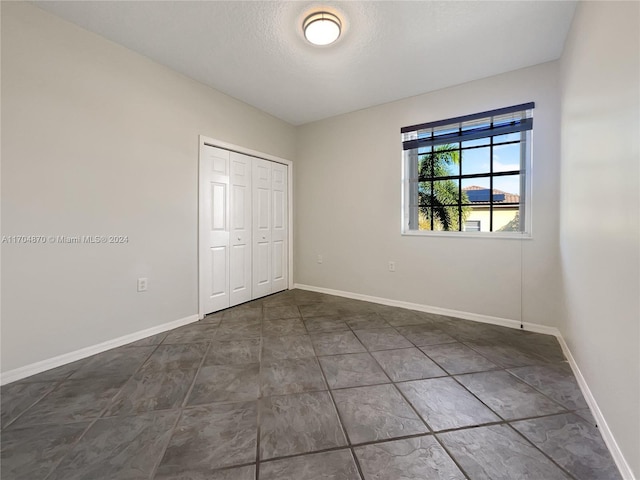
(319, 258)
(392, 266)
(142, 284)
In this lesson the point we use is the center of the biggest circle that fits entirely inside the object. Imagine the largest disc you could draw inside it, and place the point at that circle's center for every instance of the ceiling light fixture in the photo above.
(321, 28)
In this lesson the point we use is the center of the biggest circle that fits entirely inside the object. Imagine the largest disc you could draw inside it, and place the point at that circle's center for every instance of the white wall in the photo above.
(348, 194)
(600, 213)
(98, 140)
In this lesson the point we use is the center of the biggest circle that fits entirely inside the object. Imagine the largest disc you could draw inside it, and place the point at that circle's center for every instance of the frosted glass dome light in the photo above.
(321, 28)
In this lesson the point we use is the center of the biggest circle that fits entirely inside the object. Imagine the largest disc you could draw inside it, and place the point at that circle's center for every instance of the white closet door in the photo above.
(214, 229)
(279, 228)
(240, 229)
(261, 228)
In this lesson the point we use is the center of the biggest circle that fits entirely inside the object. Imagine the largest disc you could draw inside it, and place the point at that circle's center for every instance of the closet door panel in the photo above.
(279, 228)
(214, 228)
(240, 229)
(262, 220)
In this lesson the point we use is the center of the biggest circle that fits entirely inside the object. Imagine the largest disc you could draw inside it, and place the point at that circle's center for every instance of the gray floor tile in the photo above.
(376, 413)
(72, 401)
(519, 350)
(325, 324)
(170, 357)
(119, 447)
(238, 329)
(408, 459)
(363, 321)
(287, 311)
(210, 437)
(18, 397)
(193, 333)
(467, 330)
(348, 307)
(305, 297)
(336, 465)
(246, 314)
(573, 443)
(457, 358)
(407, 364)
(505, 355)
(233, 473)
(283, 326)
(497, 452)
(444, 404)
(122, 362)
(212, 318)
(296, 375)
(300, 423)
(281, 348)
(399, 317)
(555, 380)
(352, 370)
(318, 310)
(157, 390)
(421, 335)
(507, 396)
(586, 414)
(334, 343)
(382, 339)
(280, 301)
(31, 453)
(233, 352)
(226, 383)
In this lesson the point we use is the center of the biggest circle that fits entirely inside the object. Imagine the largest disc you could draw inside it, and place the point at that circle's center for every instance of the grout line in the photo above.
(544, 454)
(163, 452)
(259, 399)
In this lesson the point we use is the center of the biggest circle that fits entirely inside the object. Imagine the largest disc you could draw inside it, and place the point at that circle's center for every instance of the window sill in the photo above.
(485, 235)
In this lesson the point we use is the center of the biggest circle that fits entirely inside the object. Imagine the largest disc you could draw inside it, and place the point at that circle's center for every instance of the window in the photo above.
(469, 174)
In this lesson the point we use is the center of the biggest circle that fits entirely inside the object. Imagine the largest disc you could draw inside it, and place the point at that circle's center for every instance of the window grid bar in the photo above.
(491, 185)
(471, 175)
(460, 182)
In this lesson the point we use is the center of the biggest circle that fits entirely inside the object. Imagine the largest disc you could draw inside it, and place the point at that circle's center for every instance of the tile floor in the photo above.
(305, 386)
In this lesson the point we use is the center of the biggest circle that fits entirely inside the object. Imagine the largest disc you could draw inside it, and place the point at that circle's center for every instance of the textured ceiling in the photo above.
(255, 51)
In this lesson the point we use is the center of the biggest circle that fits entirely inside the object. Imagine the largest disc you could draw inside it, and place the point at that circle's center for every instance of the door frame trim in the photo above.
(212, 142)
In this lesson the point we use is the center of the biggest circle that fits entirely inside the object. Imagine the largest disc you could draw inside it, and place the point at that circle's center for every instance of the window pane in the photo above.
(506, 219)
(443, 162)
(445, 192)
(424, 222)
(424, 193)
(506, 157)
(506, 189)
(509, 137)
(475, 143)
(476, 161)
(475, 190)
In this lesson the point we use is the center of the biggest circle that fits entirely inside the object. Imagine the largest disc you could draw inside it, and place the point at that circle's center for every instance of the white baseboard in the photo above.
(44, 365)
(607, 435)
